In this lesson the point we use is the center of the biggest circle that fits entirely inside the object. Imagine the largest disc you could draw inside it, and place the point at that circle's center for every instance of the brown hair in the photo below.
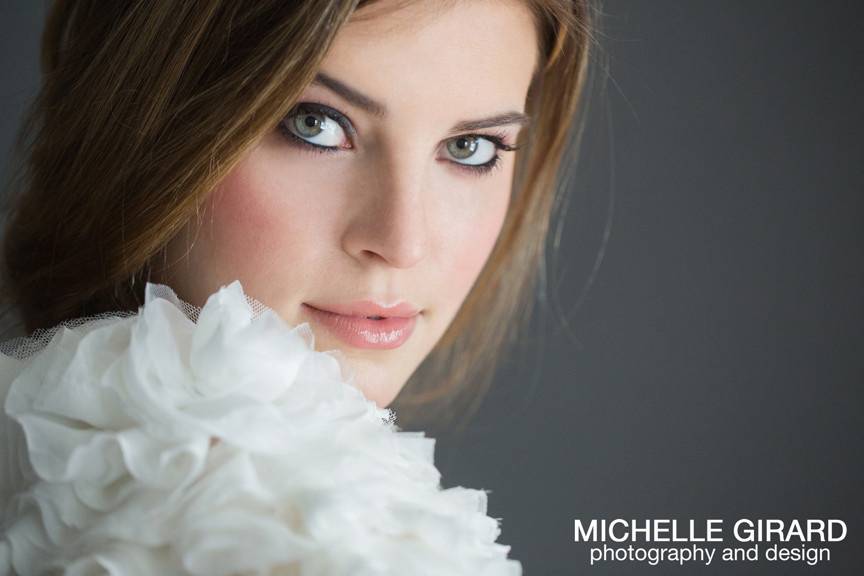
(146, 105)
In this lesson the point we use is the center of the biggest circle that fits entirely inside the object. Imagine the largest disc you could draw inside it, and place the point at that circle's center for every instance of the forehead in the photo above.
(468, 53)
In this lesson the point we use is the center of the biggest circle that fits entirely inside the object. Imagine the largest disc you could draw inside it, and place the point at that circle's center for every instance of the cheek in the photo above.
(470, 241)
(249, 235)
(261, 226)
(245, 229)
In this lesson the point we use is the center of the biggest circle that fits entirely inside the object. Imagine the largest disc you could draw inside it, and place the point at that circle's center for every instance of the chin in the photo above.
(383, 396)
(378, 383)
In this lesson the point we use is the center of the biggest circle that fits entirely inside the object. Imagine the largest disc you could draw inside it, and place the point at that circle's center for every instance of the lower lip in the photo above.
(362, 332)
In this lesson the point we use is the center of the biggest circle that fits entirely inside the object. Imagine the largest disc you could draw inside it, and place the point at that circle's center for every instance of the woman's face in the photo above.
(397, 206)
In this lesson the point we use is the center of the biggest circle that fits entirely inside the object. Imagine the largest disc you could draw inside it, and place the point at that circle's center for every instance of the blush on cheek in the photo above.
(267, 224)
(241, 228)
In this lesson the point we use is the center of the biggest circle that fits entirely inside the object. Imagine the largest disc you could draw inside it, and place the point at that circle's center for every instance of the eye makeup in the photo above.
(498, 139)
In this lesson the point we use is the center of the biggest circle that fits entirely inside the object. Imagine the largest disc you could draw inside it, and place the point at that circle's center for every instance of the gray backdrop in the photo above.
(712, 368)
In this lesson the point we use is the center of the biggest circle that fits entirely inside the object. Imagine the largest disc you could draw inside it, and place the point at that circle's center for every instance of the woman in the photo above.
(353, 164)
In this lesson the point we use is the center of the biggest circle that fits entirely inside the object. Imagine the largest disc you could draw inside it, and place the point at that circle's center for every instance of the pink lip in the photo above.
(365, 308)
(350, 324)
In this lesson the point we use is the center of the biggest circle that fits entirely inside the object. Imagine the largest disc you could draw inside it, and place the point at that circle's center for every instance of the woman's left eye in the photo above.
(472, 150)
(478, 154)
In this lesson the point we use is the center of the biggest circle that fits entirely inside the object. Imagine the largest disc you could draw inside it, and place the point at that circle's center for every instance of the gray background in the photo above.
(713, 367)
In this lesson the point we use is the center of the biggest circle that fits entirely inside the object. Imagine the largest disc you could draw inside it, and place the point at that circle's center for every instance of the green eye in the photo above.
(317, 125)
(476, 149)
(309, 125)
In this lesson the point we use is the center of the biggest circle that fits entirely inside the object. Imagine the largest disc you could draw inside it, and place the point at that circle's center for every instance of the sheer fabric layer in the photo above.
(217, 441)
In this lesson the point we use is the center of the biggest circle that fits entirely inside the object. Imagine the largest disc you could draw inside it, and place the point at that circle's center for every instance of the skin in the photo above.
(394, 216)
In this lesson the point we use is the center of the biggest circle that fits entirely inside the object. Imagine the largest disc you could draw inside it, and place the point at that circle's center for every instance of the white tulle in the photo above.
(164, 443)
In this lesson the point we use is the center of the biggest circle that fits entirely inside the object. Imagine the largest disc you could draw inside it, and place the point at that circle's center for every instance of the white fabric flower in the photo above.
(217, 441)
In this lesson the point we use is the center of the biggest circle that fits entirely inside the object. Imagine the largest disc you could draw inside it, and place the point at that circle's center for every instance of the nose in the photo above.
(390, 221)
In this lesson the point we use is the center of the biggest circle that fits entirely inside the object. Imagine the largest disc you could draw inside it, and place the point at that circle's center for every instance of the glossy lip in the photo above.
(354, 329)
(364, 308)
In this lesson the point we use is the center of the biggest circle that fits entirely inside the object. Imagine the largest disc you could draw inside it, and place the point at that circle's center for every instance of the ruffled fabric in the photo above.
(218, 442)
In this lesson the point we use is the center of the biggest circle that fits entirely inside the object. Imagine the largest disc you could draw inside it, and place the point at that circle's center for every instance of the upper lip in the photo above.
(364, 308)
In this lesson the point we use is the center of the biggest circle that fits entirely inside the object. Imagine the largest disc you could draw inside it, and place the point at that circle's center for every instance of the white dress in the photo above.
(179, 440)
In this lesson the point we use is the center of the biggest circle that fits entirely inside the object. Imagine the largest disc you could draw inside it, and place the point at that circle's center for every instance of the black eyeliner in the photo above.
(324, 110)
(316, 107)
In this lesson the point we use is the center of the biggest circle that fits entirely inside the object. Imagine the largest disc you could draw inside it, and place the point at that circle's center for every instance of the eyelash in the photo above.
(497, 138)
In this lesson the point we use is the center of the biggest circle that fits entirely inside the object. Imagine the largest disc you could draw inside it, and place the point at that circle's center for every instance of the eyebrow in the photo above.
(379, 109)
